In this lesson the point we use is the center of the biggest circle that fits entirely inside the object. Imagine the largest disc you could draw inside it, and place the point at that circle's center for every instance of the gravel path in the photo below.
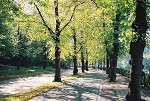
(85, 88)
(13, 86)
(94, 86)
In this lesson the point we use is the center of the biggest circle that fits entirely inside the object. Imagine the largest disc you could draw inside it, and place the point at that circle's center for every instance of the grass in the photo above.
(38, 90)
(11, 71)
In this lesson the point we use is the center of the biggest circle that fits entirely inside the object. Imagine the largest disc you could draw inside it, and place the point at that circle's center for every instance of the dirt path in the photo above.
(93, 86)
(17, 85)
(85, 88)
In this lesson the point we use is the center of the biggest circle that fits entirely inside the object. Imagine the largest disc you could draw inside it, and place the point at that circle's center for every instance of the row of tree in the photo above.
(84, 32)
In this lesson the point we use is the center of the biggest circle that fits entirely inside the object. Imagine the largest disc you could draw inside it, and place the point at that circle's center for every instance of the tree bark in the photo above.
(107, 62)
(137, 46)
(57, 63)
(75, 71)
(57, 45)
(82, 59)
(104, 68)
(86, 62)
(110, 69)
(99, 64)
(115, 48)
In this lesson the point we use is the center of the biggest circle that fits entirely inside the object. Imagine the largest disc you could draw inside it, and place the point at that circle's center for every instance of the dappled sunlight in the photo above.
(80, 89)
(18, 85)
(93, 86)
(31, 70)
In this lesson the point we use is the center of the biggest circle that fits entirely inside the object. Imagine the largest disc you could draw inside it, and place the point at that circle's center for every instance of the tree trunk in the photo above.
(86, 63)
(57, 64)
(82, 60)
(57, 45)
(99, 64)
(107, 62)
(137, 46)
(110, 69)
(75, 71)
(104, 64)
(92, 65)
(115, 48)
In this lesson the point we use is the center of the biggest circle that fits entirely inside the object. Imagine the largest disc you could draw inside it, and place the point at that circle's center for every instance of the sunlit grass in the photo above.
(38, 90)
(32, 92)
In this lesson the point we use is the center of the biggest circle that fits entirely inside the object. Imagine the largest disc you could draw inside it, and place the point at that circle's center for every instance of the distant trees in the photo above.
(7, 37)
(17, 41)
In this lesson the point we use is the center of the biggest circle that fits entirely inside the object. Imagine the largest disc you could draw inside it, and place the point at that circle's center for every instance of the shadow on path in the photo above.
(85, 88)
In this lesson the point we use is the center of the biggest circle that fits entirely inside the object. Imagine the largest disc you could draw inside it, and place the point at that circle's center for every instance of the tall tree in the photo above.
(56, 34)
(115, 47)
(119, 22)
(137, 46)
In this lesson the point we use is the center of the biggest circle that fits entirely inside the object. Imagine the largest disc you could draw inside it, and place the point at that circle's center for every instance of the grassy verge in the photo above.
(38, 90)
(11, 72)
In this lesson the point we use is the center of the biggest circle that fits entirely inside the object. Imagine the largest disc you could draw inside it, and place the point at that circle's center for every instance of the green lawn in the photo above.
(11, 71)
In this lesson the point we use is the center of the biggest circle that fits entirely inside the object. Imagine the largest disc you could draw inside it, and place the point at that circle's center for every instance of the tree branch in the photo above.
(70, 17)
(49, 29)
(95, 3)
(124, 17)
(79, 50)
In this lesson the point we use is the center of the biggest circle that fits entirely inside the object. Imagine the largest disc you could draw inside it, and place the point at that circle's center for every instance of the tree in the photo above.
(119, 18)
(137, 46)
(115, 47)
(56, 34)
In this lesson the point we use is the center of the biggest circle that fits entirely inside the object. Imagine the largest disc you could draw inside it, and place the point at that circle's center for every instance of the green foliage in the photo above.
(8, 11)
(95, 20)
